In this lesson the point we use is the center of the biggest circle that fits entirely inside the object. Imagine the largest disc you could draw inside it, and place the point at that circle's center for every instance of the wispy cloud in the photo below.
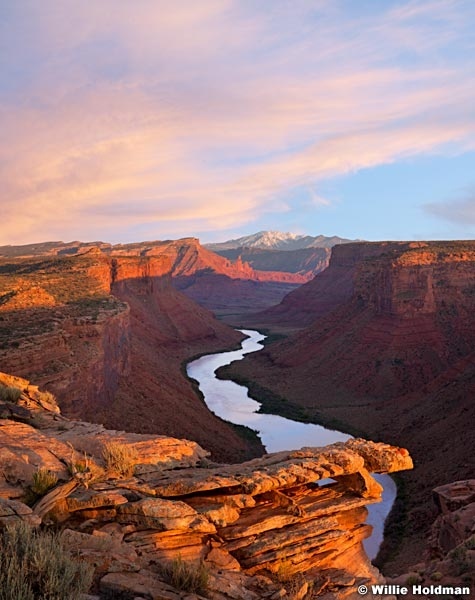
(460, 211)
(177, 116)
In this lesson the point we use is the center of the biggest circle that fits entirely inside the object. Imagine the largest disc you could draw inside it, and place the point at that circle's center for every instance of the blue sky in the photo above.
(153, 119)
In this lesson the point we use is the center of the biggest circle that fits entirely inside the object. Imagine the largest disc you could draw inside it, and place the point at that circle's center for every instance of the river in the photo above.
(231, 402)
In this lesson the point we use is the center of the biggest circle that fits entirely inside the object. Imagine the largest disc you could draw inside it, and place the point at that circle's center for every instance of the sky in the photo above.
(130, 120)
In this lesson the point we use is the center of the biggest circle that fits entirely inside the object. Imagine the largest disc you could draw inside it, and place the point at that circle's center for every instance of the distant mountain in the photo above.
(277, 240)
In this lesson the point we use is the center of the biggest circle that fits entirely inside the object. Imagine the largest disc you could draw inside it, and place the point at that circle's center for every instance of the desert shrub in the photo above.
(85, 470)
(186, 576)
(458, 558)
(79, 466)
(34, 565)
(120, 458)
(10, 393)
(470, 543)
(43, 481)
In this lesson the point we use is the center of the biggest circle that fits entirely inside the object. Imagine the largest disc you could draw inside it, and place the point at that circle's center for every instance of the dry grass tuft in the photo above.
(43, 481)
(186, 576)
(120, 458)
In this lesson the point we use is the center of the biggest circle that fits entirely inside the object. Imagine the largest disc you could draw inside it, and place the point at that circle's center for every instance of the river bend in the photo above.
(231, 402)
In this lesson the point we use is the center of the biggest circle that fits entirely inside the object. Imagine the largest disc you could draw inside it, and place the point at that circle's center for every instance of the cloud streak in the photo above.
(460, 211)
(177, 117)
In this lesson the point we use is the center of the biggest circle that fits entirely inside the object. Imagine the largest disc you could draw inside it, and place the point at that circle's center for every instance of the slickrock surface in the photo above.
(389, 354)
(272, 527)
(108, 333)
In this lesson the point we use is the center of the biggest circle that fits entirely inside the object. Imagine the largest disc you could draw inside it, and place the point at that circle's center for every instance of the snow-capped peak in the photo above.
(278, 240)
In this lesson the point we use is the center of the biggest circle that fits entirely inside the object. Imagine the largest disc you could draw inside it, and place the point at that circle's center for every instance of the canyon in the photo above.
(306, 262)
(384, 349)
(271, 527)
(287, 525)
(379, 344)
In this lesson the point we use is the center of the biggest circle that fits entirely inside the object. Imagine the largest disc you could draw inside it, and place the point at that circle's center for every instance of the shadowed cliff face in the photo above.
(393, 357)
(108, 335)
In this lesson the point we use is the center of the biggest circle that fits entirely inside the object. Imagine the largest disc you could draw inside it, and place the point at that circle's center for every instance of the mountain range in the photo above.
(278, 240)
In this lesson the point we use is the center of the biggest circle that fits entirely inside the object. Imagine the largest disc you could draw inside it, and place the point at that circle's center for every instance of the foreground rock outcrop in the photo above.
(273, 527)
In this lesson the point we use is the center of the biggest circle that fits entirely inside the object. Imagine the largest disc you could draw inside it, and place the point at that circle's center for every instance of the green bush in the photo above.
(10, 393)
(458, 558)
(186, 576)
(34, 565)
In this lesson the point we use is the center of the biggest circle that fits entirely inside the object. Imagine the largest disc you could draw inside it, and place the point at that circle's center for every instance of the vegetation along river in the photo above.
(231, 402)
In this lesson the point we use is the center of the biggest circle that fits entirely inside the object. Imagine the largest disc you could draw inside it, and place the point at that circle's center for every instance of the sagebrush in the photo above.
(35, 565)
(9, 393)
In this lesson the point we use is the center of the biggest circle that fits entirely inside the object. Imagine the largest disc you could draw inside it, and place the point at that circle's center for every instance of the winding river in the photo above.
(231, 402)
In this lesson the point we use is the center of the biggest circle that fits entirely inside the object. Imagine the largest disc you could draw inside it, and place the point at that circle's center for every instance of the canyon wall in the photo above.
(391, 355)
(218, 284)
(223, 286)
(108, 335)
(332, 287)
(306, 262)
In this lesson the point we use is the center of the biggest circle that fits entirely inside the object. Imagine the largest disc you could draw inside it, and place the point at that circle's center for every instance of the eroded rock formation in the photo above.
(267, 528)
(333, 287)
(450, 556)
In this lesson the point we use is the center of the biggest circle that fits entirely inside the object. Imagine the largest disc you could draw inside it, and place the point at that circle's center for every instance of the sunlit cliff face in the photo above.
(168, 119)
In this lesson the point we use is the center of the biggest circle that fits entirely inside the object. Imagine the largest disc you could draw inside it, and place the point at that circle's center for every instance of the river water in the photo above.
(231, 402)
